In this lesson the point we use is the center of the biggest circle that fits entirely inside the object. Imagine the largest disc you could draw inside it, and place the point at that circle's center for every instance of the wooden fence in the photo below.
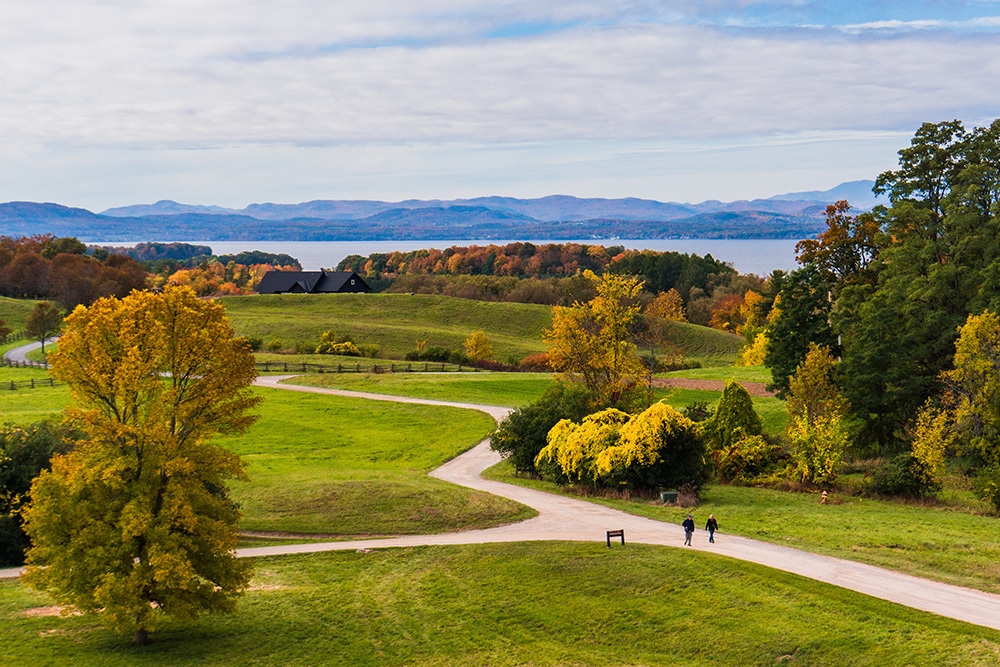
(358, 367)
(23, 364)
(28, 384)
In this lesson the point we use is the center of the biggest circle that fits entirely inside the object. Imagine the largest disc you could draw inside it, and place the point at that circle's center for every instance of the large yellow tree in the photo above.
(137, 520)
(593, 343)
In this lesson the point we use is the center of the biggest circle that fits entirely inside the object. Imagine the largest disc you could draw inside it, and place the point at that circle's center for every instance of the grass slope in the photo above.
(708, 346)
(15, 311)
(394, 322)
(350, 467)
(515, 604)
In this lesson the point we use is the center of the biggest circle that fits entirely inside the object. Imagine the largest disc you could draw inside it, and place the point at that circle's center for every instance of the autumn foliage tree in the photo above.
(44, 320)
(137, 520)
(593, 343)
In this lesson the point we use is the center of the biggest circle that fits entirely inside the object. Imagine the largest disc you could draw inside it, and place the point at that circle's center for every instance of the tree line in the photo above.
(552, 274)
(904, 302)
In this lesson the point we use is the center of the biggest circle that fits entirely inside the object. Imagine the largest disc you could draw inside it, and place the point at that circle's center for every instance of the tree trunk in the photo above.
(141, 637)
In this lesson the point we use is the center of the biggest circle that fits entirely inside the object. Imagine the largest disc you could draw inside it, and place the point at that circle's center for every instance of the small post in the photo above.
(616, 533)
(823, 500)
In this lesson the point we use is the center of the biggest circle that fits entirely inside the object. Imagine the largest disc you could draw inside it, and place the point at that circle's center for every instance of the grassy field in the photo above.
(394, 322)
(709, 347)
(353, 468)
(23, 406)
(507, 389)
(515, 604)
(723, 373)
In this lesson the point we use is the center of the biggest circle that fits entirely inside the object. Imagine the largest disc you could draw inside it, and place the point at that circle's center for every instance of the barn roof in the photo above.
(275, 282)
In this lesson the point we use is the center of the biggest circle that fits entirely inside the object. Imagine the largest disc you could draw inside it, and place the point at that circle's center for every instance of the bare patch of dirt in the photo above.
(758, 389)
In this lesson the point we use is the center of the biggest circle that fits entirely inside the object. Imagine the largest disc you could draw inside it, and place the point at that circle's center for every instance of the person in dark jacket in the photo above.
(711, 527)
(688, 529)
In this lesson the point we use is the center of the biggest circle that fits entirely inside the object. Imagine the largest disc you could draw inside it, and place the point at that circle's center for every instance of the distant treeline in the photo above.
(196, 266)
(551, 273)
(180, 255)
(49, 267)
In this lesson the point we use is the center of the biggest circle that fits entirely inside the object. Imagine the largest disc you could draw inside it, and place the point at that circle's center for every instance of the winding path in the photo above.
(569, 519)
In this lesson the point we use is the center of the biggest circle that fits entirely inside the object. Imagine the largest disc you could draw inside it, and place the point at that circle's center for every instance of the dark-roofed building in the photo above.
(311, 282)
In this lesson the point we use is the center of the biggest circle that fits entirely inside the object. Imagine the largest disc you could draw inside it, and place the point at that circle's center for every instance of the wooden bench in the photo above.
(616, 533)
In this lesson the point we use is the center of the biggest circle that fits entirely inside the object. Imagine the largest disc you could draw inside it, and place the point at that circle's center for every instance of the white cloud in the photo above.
(191, 78)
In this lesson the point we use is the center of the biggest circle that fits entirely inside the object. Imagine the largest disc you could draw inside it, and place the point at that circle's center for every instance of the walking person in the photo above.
(688, 529)
(711, 527)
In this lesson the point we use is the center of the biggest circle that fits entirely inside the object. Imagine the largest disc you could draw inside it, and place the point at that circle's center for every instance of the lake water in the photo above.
(745, 255)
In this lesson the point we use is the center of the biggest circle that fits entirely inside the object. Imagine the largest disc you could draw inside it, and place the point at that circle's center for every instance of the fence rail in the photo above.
(13, 363)
(358, 367)
(11, 385)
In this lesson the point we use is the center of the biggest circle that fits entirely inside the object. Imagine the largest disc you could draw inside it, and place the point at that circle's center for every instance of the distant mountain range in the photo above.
(557, 217)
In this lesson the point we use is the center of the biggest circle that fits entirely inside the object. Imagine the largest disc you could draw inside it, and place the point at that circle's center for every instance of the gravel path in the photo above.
(564, 518)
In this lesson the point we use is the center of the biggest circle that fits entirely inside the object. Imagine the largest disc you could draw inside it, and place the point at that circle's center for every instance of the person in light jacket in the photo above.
(688, 529)
(711, 527)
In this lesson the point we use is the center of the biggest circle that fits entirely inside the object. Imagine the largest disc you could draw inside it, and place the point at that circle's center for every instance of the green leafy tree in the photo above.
(5, 330)
(973, 389)
(847, 251)
(812, 393)
(522, 435)
(803, 318)
(734, 419)
(818, 447)
(44, 320)
(137, 520)
(24, 452)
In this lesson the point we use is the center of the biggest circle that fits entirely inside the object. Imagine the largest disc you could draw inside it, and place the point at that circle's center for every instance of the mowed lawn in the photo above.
(505, 389)
(514, 604)
(348, 467)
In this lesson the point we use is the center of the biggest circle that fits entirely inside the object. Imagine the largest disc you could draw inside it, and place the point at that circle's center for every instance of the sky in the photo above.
(107, 103)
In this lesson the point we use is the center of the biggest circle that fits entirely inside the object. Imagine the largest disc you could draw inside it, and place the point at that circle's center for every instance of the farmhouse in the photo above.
(311, 282)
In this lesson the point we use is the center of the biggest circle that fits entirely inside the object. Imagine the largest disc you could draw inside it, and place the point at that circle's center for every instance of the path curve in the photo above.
(568, 519)
(20, 354)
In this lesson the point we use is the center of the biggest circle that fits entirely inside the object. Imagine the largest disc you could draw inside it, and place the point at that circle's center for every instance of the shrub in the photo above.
(535, 363)
(747, 460)
(697, 411)
(256, 343)
(818, 446)
(901, 475)
(734, 419)
(522, 435)
(429, 354)
(275, 345)
(612, 449)
(370, 350)
(987, 485)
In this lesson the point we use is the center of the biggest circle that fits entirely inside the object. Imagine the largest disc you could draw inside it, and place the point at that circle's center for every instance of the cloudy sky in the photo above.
(113, 102)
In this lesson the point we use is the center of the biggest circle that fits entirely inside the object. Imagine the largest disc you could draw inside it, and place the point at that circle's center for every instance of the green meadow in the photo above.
(325, 467)
(347, 467)
(394, 322)
(514, 604)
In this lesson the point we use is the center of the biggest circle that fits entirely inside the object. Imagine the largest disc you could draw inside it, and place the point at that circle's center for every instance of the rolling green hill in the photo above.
(15, 311)
(394, 322)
